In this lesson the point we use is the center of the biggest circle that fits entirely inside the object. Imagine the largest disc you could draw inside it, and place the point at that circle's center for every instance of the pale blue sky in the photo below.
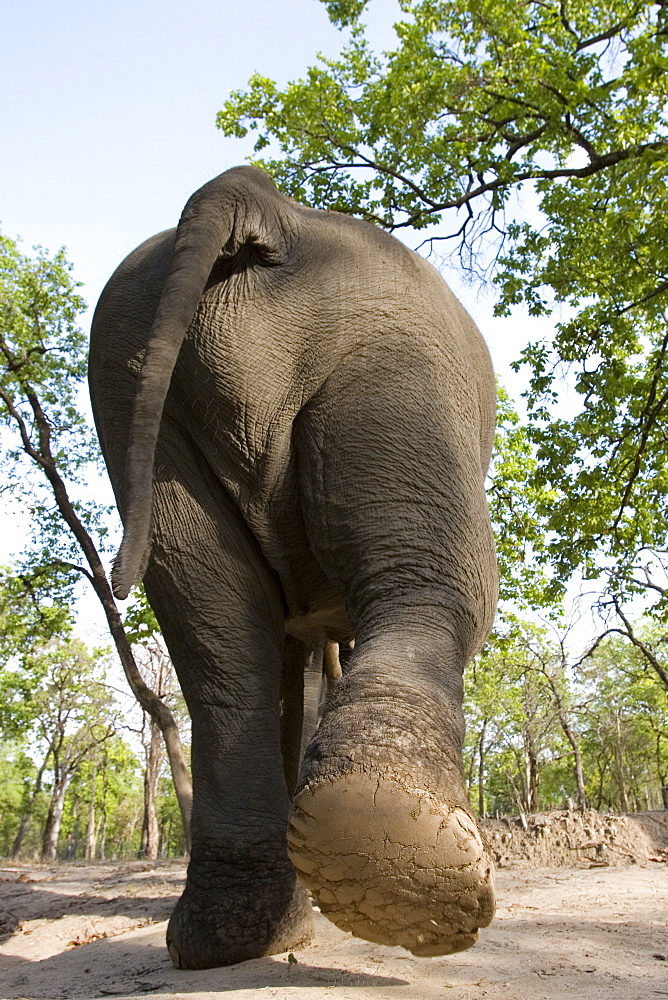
(108, 118)
(108, 110)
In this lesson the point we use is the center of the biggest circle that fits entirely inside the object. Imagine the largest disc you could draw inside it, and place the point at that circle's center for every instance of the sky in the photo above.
(108, 119)
(108, 122)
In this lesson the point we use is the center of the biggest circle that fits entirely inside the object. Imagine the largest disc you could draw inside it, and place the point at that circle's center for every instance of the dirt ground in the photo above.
(592, 924)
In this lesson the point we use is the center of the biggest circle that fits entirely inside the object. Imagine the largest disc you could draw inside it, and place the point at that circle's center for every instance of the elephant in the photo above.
(297, 416)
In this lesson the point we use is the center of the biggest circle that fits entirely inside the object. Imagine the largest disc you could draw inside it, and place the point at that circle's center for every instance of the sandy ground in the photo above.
(97, 930)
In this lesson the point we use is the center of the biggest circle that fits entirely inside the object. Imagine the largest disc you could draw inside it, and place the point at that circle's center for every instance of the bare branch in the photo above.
(28, 446)
(639, 644)
(602, 162)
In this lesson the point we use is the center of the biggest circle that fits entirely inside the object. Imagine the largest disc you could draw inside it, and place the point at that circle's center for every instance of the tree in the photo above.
(625, 721)
(543, 728)
(53, 696)
(28, 620)
(535, 136)
(114, 779)
(73, 711)
(554, 670)
(16, 792)
(157, 666)
(28, 615)
(512, 727)
(54, 702)
(103, 802)
(144, 632)
(44, 364)
(519, 529)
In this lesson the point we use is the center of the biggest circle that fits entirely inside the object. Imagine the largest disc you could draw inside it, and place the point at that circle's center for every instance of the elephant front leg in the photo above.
(221, 613)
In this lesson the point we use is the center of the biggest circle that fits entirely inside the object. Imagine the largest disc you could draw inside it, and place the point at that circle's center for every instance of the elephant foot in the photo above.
(391, 863)
(220, 920)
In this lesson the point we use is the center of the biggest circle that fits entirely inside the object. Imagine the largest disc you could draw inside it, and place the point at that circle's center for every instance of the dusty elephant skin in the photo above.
(297, 416)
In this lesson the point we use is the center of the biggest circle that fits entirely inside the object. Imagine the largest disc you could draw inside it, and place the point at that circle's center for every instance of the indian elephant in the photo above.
(297, 415)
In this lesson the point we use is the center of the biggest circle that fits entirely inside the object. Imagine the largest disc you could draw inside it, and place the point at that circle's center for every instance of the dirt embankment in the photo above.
(582, 913)
(571, 836)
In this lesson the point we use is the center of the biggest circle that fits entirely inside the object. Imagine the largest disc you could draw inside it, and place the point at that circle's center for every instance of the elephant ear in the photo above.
(239, 209)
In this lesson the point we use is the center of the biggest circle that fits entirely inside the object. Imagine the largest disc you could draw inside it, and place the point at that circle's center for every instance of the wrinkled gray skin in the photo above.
(318, 475)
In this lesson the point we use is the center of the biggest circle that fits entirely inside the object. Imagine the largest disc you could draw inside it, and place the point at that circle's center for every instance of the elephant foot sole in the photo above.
(392, 864)
(229, 921)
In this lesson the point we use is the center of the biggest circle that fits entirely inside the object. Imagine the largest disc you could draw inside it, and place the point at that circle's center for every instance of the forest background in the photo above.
(524, 150)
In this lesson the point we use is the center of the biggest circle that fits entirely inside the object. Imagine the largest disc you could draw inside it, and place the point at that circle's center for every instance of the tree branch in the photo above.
(639, 644)
(559, 173)
(28, 446)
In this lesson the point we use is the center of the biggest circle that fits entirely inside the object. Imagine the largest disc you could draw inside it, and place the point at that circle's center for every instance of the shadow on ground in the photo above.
(121, 967)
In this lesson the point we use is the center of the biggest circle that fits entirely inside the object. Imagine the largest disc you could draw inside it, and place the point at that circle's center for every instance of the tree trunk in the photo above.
(102, 849)
(619, 767)
(578, 769)
(583, 801)
(602, 770)
(150, 831)
(518, 797)
(165, 837)
(27, 815)
(72, 844)
(481, 770)
(569, 733)
(531, 774)
(149, 701)
(125, 845)
(89, 848)
(660, 770)
(54, 818)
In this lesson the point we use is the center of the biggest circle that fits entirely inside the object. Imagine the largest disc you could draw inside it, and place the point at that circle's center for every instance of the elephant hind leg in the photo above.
(221, 611)
(392, 492)
(381, 830)
(393, 865)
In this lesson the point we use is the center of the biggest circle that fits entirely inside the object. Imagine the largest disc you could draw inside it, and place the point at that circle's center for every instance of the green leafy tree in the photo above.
(51, 450)
(553, 667)
(56, 705)
(29, 618)
(535, 137)
(515, 503)
(103, 803)
(514, 739)
(625, 722)
(17, 791)
(74, 713)
(28, 614)
(118, 799)
(542, 729)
